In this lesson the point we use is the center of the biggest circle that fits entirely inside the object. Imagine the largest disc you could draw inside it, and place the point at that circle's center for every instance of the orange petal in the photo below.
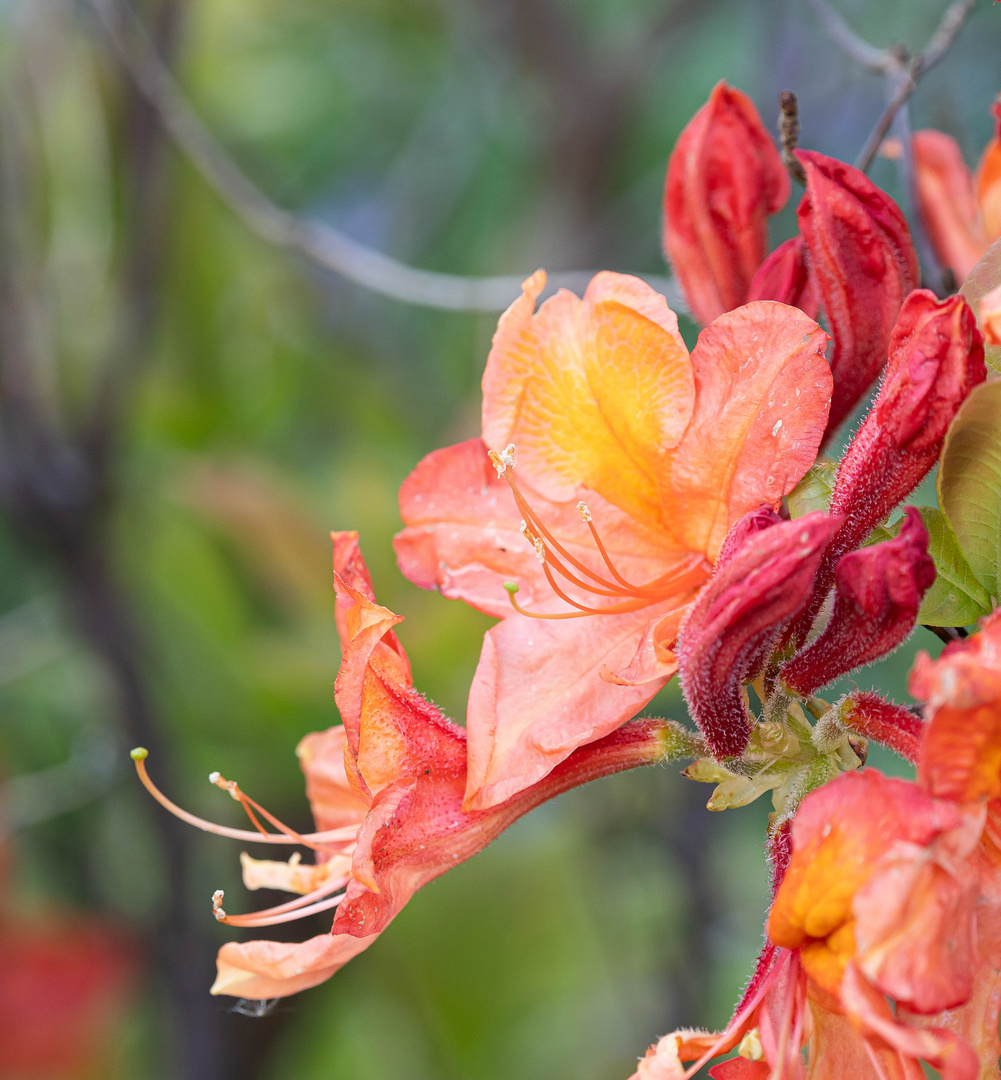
(990, 317)
(333, 800)
(915, 929)
(942, 1049)
(961, 748)
(949, 206)
(592, 392)
(763, 389)
(989, 189)
(538, 694)
(463, 534)
(271, 969)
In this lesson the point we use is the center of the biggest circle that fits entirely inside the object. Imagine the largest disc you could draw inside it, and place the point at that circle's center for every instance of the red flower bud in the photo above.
(881, 721)
(762, 518)
(864, 264)
(878, 591)
(936, 358)
(785, 276)
(737, 618)
(724, 178)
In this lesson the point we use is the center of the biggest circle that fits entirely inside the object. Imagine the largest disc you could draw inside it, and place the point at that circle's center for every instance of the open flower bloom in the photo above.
(889, 909)
(611, 467)
(386, 791)
(962, 212)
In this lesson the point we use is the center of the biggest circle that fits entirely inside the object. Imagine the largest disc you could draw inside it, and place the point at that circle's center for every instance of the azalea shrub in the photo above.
(635, 511)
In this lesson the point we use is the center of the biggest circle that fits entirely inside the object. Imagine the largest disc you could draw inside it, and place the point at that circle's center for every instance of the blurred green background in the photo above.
(187, 412)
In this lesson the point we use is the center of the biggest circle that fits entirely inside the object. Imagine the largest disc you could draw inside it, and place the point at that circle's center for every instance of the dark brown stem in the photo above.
(948, 634)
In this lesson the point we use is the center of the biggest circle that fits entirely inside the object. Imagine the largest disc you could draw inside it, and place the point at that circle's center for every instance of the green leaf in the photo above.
(969, 482)
(956, 598)
(813, 492)
(992, 357)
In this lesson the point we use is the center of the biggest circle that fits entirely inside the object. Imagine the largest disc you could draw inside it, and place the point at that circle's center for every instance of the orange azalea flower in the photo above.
(961, 212)
(884, 938)
(612, 465)
(386, 792)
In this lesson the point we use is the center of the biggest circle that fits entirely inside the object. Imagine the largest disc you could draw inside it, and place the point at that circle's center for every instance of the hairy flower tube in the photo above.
(877, 593)
(612, 465)
(386, 791)
(936, 358)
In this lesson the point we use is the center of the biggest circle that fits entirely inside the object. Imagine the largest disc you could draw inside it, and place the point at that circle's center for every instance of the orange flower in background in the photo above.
(962, 212)
(386, 792)
(628, 459)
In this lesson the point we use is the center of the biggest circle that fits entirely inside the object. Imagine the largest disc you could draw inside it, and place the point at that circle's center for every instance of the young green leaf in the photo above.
(813, 492)
(956, 598)
(969, 482)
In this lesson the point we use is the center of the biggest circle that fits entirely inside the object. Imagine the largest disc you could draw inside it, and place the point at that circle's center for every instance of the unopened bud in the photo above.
(733, 625)
(864, 264)
(936, 358)
(868, 717)
(785, 276)
(878, 591)
(724, 178)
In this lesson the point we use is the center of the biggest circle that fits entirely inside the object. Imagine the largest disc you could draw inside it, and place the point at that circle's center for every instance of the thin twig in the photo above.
(906, 86)
(868, 56)
(941, 41)
(320, 243)
(902, 74)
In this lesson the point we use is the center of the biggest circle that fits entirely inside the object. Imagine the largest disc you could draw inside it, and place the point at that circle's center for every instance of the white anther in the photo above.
(214, 777)
(507, 455)
(583, 510)
(540, 551)
(217, 911)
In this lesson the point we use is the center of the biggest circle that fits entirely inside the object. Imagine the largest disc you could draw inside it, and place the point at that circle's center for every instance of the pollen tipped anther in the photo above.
(502, 461)
(213, 777)
(217, 899)
(583, 510)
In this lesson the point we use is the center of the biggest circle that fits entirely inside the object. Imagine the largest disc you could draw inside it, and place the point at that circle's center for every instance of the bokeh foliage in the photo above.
(276, 402)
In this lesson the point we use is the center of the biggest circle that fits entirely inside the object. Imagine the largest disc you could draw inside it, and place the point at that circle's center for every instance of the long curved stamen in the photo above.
(281, 914)
(331, 841)
(235, 792)
(555, 558)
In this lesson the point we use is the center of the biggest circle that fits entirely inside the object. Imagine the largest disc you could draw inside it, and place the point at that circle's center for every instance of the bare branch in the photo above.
(879, 61)
(941, 41)
(906, 86)
(315, 240)
(904, 81)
